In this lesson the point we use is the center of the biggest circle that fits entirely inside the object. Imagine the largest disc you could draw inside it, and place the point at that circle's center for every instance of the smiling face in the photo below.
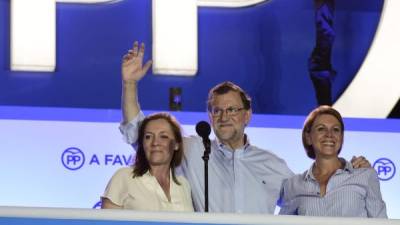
(325, 136)
(159, 142)
(229, 118)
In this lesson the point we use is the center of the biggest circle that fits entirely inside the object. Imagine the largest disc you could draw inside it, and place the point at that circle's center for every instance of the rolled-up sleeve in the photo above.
(375, 205)
(116, 190)
(129, 130)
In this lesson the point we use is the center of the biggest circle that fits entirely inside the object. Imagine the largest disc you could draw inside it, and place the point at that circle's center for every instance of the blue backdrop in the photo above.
(263, 48)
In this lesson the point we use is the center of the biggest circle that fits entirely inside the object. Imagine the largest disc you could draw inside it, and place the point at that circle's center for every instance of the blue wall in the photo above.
(263, 48)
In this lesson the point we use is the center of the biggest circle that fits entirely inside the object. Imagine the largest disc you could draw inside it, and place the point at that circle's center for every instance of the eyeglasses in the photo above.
(230, 111)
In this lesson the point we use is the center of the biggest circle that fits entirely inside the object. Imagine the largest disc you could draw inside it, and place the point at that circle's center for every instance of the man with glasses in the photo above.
(242, 178)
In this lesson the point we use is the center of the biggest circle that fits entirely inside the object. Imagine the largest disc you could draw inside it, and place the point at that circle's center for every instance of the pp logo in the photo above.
(97, 205)
(73, 158)
(385, 168)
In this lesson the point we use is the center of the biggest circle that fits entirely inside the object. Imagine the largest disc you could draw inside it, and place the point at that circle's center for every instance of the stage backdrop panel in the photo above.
(264, 48)
(59, 157)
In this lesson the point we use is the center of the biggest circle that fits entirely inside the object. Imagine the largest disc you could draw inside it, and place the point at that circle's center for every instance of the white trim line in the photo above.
(216, 218)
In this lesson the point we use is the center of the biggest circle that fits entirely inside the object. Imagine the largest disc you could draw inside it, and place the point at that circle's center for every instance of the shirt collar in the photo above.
(308, 175)
(149, 176)
(348, 167)
(229, 152)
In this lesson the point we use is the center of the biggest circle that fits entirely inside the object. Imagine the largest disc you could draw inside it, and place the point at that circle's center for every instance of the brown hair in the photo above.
(224, 88)
(141, 163)
(321, 110)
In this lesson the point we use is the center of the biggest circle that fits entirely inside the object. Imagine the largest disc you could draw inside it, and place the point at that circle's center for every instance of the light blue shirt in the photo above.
(349, 193)
(246, 180)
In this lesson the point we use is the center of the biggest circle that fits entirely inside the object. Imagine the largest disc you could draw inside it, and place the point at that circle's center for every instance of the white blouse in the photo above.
(145, 193)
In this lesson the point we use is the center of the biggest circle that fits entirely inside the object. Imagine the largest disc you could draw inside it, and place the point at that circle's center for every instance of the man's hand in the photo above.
(360, 162)
(132, 64)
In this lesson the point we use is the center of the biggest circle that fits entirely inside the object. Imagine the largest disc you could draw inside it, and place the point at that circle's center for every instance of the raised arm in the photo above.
(132, 71)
